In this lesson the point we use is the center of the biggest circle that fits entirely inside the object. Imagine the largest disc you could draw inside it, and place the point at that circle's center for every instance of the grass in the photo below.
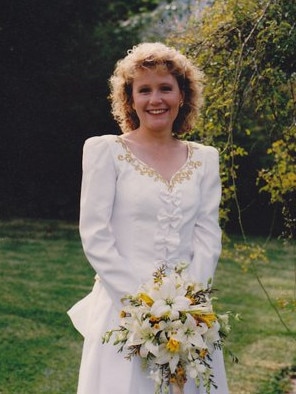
(263, 345)
(43, 272)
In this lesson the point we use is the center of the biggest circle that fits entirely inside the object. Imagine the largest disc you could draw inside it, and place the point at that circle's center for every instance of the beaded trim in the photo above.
(184, 173)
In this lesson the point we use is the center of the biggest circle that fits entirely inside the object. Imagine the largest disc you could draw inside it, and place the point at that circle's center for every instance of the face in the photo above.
(156, 99)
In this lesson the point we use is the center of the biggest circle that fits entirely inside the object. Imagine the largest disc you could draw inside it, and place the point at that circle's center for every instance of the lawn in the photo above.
(43, 272)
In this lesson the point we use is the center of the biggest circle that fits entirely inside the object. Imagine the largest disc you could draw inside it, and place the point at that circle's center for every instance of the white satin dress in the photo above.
(133, 220)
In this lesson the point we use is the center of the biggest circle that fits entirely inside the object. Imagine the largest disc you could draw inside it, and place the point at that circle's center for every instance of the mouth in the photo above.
(156, 111)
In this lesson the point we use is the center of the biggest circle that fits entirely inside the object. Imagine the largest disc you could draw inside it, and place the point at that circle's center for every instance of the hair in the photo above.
(154, 56)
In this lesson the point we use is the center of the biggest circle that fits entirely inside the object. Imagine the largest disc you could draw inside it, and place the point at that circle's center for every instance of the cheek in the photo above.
(139, 104)
(177, 107)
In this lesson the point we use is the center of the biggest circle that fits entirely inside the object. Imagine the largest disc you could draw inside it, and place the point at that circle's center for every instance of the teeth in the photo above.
(157, 111)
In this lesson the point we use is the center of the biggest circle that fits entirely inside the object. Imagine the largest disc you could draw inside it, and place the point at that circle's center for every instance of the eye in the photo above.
(144, 90)
(166, 88)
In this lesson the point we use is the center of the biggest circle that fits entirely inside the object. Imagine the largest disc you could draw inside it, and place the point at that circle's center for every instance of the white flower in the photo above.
(143, 334)
(188, 333)
(212, 336)
(195, 368)
(165, 356)
(170, 299)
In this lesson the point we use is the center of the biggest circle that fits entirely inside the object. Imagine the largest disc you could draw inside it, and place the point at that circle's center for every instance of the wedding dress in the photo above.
(132, 221)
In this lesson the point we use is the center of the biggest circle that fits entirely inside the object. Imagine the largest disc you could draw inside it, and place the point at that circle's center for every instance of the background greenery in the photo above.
(56, 59)
(44, 272)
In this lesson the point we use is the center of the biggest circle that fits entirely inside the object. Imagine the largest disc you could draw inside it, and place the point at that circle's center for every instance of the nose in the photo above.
(155, 97)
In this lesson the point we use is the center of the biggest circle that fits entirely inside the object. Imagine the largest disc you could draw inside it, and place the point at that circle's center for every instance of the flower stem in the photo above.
(176, 389)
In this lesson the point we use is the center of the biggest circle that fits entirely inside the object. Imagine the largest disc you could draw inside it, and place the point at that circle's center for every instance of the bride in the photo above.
(147, 198)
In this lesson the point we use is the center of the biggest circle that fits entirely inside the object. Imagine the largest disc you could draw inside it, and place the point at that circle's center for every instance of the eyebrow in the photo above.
(161, 84)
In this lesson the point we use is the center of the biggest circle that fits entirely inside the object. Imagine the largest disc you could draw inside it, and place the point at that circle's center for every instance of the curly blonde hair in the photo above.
(153, 56)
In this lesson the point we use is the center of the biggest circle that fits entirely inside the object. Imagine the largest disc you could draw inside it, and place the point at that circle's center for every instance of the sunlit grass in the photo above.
(263, 345)
(44, 272)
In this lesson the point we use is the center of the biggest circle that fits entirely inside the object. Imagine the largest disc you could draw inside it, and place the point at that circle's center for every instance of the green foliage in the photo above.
(246, 254)
(247, 50)
(280, 179)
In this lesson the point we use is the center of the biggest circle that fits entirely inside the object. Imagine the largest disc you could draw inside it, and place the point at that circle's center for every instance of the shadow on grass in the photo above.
(281, 382)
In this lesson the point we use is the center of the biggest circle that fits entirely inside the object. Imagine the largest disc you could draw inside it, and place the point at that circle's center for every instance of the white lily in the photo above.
(169, 299)
(212, 336)
(165, 356)
(143, 334)
(188, 333)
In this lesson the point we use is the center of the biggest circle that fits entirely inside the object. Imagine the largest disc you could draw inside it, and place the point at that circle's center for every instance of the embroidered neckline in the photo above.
(183, 173)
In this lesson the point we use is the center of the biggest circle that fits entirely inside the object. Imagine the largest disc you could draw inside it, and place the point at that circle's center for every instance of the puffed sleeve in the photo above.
(97, 197)
(207, 232)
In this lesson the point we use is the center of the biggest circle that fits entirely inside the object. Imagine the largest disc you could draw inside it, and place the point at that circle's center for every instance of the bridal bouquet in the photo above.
(170, 324)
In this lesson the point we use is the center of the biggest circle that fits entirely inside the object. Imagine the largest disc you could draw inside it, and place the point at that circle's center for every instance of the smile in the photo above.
(156, 111)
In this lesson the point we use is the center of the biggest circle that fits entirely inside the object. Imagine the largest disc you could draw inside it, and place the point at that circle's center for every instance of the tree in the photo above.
(247, 50)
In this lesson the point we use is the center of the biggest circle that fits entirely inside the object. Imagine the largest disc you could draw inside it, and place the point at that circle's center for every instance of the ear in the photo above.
(181, 102)
(182, 98)
(131, 102)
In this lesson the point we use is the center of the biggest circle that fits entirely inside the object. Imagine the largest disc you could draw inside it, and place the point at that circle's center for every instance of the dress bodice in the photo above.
(153, 219)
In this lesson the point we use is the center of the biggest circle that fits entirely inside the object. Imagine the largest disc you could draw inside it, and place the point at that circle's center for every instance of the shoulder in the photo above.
(206, 152)
(101, 141)
(99, 150)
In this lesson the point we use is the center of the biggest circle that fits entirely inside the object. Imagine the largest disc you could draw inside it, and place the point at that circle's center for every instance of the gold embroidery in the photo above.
(180, 176)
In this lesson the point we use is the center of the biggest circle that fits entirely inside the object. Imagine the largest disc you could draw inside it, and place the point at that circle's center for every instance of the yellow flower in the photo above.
(173, 345)
(154, 321)
(203, 353)
(208, 318)
(146, 298)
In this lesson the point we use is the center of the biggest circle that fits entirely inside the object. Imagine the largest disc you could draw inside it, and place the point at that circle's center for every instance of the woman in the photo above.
(147, 199)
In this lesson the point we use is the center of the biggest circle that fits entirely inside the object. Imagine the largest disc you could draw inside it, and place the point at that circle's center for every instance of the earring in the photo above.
(181, 103)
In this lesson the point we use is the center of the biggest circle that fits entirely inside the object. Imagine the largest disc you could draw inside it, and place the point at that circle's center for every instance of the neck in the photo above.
(154, 137)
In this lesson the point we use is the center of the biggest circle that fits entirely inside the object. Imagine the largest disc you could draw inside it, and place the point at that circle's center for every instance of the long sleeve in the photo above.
(97, 198)
(207, 233)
